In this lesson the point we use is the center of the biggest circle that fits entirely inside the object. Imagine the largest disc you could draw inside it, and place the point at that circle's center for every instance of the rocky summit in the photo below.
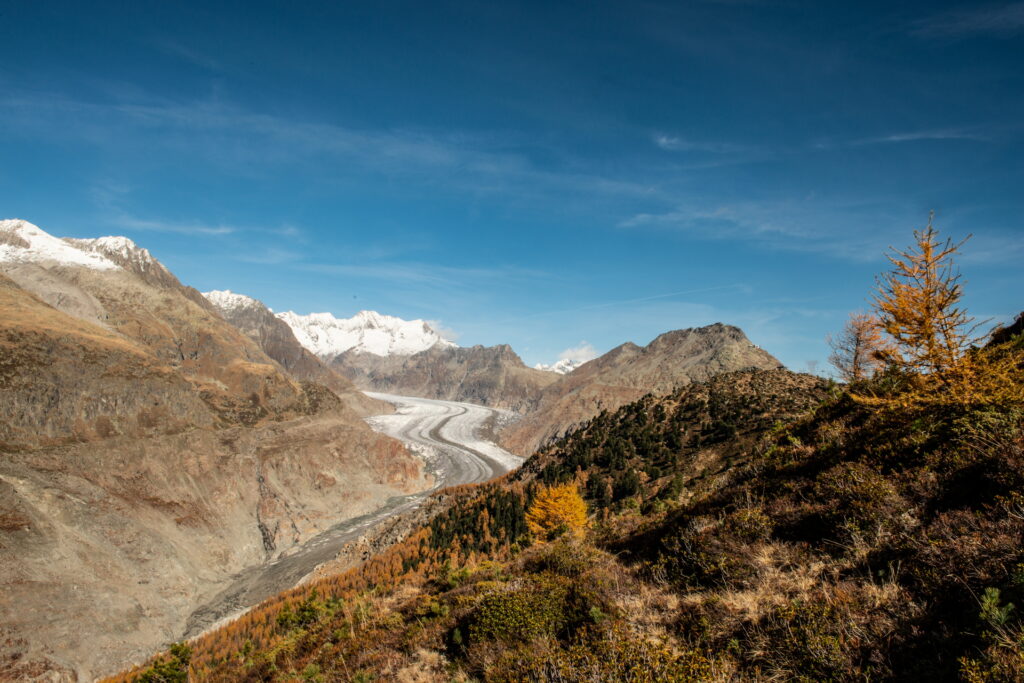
(628, 372)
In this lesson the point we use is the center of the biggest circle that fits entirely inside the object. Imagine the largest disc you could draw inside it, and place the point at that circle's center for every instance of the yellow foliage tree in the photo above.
(917, 305)
(557, 510)
(858, 350)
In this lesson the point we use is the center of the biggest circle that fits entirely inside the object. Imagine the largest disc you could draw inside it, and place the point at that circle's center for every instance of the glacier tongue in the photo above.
(365, 332)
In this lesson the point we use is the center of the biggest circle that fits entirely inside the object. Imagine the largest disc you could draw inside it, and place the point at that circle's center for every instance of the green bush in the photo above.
(174, 669)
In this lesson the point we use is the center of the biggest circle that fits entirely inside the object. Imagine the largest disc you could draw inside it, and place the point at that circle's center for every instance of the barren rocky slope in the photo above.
(277, 340)
(628, 372)
(148, 451)
(491, 375)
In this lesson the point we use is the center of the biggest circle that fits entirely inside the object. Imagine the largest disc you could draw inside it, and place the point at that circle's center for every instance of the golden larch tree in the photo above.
(917, 305)
(557, 510)
(858, 350)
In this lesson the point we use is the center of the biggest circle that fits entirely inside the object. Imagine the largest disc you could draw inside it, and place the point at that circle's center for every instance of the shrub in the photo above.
(174, 669)
(857, 497)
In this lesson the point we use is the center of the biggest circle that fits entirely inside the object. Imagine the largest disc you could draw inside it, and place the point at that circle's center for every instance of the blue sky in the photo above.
(542, 174)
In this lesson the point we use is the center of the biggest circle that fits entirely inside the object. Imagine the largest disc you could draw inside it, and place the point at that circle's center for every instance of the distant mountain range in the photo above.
(387, 354)
(365, 332)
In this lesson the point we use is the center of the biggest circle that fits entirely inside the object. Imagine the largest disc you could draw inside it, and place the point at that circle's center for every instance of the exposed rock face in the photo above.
(628, 372)
(276, 339)
(148, 451)
(490, 375)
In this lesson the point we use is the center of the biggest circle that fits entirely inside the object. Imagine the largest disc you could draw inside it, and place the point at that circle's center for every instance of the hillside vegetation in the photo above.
(761, 525)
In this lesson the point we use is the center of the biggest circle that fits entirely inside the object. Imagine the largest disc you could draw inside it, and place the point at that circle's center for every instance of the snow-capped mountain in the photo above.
(22, 242)
(120, 250)
(226, 301)
(365, 332)
(562, 367)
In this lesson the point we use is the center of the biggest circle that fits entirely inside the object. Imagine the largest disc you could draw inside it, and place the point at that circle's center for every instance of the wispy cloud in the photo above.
(674, 143)
(182, 228)
(123, 220)
(994, 19)
(269, 256)
(421, 273)
(446, 332)
(619, 303)
(915, 136)
(251, 142)
(835, 228)
(187, 54)
(583, 351)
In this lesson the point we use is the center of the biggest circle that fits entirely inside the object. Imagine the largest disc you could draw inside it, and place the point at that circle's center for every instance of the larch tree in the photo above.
(917, 304)
(557, 510)
(858, 350)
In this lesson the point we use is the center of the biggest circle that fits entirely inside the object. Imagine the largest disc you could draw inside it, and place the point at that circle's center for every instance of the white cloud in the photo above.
(914, 136)
(1002, 20)
(673, 143)
(447, 333)
(583, 352)
(183, 228)
(248, 142)
(850, 230)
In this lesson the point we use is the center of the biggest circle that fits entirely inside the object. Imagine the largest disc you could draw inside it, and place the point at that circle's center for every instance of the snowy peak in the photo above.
(365, 332)
(225, 300)
(121, 251)
(562, 367)
(22, 242)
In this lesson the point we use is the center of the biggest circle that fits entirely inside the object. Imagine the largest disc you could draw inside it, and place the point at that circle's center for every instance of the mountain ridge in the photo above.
(370, 332)
(628, 372)
(278, 341)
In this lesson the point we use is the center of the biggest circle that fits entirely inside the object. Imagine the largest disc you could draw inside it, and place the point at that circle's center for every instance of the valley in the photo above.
(452, 439)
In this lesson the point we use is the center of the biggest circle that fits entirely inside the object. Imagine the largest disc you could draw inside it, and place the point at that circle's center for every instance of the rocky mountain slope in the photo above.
(626, 373)
(386, 354)
(491, 375)
(148, 451)
(276, 338)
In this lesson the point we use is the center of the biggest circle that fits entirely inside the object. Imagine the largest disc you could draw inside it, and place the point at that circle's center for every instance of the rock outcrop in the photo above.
(628, 372)
(276, 339)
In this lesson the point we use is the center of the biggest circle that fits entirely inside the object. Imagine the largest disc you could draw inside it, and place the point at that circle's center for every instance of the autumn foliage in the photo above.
(858, 351)
(917, 303)
(921, 335)
(557, 510)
